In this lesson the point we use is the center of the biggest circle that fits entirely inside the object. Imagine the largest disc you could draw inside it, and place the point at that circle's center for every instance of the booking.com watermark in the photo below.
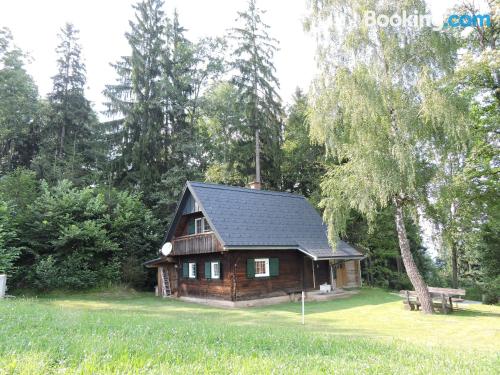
(417, 20)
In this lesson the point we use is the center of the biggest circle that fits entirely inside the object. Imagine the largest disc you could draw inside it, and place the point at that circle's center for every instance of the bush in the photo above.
(474, 292)
(64, 237)
(44, 274)
(400, 282)
(492, 291)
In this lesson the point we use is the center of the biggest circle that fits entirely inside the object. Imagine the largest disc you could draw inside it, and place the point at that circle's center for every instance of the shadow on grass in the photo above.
(475, 313)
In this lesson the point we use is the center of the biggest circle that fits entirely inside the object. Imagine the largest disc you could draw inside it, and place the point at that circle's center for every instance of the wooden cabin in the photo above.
(237, 244)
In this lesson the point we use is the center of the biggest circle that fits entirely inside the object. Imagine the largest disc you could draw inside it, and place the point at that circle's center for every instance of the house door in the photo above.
(322, 272)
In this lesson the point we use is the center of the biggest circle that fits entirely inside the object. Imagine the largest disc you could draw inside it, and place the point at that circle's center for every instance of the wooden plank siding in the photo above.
(201, 287)
(347, 274)
(196, 244)
(295, 274)
(290, 278)
(234, 284)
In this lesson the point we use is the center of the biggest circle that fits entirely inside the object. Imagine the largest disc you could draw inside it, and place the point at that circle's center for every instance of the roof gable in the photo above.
(247, 218)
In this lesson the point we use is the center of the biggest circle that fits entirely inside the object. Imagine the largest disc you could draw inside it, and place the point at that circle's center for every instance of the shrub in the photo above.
(64, 237)
(492, 291)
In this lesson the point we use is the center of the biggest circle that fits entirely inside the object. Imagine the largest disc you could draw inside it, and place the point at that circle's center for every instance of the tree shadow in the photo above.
(474, 313)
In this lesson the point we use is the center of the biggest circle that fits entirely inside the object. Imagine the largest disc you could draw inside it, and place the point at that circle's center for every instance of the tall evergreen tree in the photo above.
(135, 101)
(19, 108)
(222, 124)
(67, 135)
(384, 113)
(257, 85)
(155, 105)
(303, 160)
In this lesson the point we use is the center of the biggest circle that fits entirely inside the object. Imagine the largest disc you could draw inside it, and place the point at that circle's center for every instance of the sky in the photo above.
(103, 23)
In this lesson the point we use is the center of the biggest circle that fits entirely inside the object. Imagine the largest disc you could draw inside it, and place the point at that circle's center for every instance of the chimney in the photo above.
(256, 185)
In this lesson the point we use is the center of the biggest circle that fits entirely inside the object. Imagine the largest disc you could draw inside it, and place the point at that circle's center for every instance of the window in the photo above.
(192, 270)
(215, 268)
(198, 225)
(262, 267)
(202, 226)
(206, 226)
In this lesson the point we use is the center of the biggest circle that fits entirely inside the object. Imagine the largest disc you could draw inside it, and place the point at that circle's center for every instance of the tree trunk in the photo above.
(257, 156)
(398, 264)
(454, 266)
(61, 147)
(410, 266)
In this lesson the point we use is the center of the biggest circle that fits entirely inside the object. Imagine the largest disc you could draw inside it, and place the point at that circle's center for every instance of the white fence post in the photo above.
(303, 295)
(3, 285)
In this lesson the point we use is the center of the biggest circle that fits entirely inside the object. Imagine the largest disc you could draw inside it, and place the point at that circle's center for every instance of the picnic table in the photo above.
(442, 298)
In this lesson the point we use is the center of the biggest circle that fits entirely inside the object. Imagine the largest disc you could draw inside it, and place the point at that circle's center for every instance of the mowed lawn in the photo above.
(138, 333)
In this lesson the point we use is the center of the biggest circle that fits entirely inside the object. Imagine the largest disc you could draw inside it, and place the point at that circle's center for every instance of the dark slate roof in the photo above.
(248, 218)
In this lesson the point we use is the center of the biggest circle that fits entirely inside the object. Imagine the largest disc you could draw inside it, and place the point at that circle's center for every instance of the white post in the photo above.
(3, 285)
(303, 295)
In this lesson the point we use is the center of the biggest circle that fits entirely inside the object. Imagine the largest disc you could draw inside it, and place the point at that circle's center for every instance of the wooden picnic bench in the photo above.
(442, 298)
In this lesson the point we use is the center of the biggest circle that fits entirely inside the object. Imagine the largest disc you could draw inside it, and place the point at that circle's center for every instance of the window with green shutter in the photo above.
(274, 267)
(213, 270)
(208, 270)
(250, 268)
(185, 270)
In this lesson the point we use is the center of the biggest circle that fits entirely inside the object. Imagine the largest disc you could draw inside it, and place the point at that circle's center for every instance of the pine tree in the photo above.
(257, 85)
(222, 123)
(70, 121)
(303, 160)
(135, 101)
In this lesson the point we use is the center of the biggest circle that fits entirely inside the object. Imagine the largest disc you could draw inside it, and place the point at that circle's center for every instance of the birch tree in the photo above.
(382, 107)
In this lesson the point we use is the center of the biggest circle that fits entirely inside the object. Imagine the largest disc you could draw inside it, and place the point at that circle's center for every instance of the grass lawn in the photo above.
(138, 333)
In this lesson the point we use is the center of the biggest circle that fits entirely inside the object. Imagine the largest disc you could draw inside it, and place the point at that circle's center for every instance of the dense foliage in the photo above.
(62, 236)
(84, 200)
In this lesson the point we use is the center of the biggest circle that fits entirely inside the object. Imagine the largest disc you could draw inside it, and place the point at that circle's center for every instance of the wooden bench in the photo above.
(410, 301)
(441, 298)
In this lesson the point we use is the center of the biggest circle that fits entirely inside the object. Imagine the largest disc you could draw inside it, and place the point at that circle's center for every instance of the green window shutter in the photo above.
(191, 226)
(185, 270)
(220, 270)
(274, 267)
(208, 271)
(250, 268)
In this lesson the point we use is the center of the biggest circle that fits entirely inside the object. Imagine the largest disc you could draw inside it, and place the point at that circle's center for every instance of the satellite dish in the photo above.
(166, 248)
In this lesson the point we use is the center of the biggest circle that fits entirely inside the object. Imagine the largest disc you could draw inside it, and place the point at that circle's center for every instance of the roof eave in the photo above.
(260, 247)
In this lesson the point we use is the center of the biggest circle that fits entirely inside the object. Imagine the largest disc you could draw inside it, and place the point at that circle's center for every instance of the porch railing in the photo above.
(196, 244)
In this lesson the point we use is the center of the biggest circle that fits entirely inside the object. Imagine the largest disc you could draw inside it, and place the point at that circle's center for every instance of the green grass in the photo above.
(138, 333)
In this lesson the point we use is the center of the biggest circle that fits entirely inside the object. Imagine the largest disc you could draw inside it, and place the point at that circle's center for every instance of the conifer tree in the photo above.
(257, 85)
(135, 102)
(66, 137)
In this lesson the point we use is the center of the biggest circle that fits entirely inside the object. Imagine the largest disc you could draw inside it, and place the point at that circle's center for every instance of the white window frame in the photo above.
(266, 267)
(213, 267)
(200, 224)
(192, 270)
(205, 226)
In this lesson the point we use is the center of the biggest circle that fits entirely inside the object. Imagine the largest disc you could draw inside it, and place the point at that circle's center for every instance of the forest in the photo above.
(399, 128)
